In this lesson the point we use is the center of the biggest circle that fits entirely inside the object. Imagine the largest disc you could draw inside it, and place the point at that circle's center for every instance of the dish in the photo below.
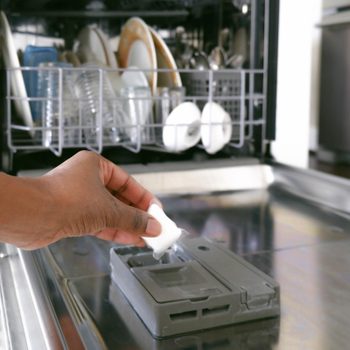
(134, 77)
(110, 55)
(216, 127)
(92, 46)
(165, 60)
(182, 127)
(136, 48)
(16, 77)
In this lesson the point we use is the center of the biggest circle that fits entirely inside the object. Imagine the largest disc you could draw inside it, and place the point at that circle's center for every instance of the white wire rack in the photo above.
(91, 107)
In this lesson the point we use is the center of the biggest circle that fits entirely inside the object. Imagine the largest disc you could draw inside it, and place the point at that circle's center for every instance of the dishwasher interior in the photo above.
(213, 174)
(120, 78)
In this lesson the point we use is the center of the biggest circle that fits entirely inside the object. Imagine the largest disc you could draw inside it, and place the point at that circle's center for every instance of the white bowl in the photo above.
(182, 127)
(216, 127)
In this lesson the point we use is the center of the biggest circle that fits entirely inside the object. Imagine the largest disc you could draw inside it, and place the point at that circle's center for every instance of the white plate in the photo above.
(136, 48)
(165, 60)
(110, 55)
(134, 77)
(92, 46)
(16, 77)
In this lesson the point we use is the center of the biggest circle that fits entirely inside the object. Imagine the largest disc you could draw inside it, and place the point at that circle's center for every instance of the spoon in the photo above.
(235, 61)
(217, 59)
(199, 61)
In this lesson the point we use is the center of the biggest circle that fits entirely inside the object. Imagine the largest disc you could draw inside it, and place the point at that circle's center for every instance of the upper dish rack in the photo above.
(92, 107)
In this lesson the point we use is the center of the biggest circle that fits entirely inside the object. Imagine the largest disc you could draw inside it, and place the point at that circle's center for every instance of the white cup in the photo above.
(181, 129)
(216, 127)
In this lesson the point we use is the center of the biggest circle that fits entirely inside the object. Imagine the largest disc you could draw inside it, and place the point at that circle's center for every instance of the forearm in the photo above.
(26, 210)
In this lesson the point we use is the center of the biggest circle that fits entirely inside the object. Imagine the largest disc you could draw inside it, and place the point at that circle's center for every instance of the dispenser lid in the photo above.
(181, 281)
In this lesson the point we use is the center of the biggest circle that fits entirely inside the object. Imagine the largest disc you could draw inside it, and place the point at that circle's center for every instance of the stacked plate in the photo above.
(92, 46)
(18, 88)
(141, 46)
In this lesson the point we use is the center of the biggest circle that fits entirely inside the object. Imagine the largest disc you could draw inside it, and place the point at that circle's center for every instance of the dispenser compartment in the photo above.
(196, 285)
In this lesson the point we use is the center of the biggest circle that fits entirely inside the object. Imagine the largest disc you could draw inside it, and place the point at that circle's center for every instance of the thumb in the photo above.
(133, 220)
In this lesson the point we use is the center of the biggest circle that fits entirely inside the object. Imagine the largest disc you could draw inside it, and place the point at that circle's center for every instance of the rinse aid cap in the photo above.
(169, 235)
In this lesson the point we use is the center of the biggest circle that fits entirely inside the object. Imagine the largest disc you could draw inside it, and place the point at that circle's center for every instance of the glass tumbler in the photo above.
(137, 106)
(57, 107)
(167, 99)
(98, 106)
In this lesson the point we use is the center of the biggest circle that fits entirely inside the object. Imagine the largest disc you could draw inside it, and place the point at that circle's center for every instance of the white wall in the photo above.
(297, 81)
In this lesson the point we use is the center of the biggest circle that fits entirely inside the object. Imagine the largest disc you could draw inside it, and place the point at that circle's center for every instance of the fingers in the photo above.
(124, 186)
(121, 237)
(129, 219)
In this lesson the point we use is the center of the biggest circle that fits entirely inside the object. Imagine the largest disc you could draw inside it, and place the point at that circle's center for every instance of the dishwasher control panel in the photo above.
(196, 285)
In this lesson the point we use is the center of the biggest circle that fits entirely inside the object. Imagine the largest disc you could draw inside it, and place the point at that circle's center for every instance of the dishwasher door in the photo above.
(334, 121)
(274, 217)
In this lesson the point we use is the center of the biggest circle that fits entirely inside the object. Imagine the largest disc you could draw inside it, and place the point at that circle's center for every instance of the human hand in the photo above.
(87, 194)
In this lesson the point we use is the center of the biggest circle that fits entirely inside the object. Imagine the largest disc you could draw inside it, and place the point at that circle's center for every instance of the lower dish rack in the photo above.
(92, 108)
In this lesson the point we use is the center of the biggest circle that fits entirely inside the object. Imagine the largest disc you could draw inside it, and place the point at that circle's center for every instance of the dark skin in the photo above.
(85, 195)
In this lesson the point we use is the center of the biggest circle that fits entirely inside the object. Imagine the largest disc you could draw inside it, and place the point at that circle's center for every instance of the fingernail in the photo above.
(156, 201)
(153, 227)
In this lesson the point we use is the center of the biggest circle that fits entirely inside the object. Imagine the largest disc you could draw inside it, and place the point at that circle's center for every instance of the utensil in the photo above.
(235, 61)
(217, 58)
(183, 51)
(240, 43)
(224, 39)
(199, 61)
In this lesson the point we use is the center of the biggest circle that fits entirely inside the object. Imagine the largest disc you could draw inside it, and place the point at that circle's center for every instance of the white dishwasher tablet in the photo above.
(169, 235)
